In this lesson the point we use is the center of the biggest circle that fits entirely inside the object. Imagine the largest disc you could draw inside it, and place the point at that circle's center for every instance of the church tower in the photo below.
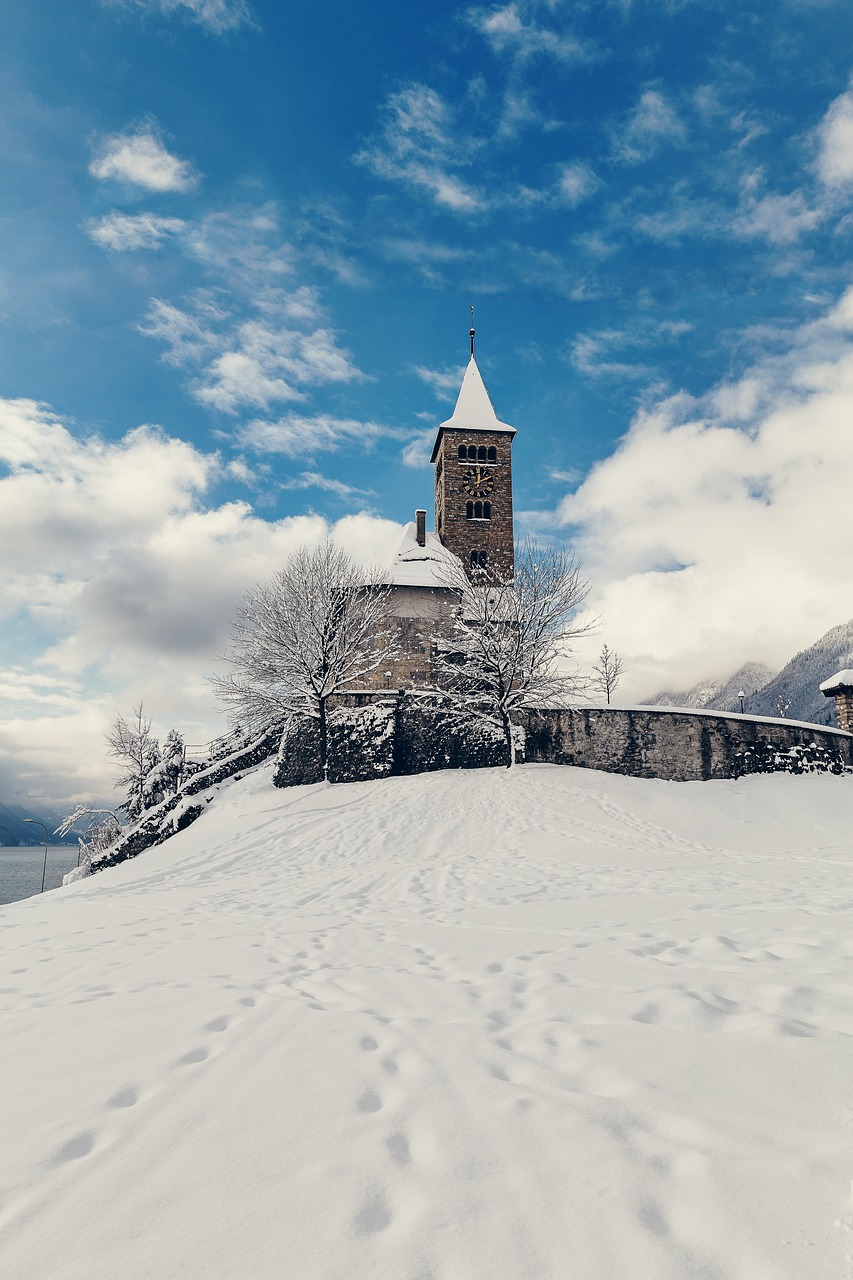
(473, 479)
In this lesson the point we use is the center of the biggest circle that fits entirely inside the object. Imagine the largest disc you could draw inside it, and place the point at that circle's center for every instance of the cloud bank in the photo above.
(126, 577)
(719, 530)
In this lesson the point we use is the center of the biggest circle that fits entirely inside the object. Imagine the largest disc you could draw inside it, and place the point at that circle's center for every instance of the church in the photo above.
(472, 457)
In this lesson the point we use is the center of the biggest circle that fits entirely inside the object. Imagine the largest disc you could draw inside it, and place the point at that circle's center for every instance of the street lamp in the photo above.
(741, 695)
(46, 838)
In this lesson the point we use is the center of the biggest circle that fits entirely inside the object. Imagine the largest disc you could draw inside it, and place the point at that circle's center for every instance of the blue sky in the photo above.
(240, 243)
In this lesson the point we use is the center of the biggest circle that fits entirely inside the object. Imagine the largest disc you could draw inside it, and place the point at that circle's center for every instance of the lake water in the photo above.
(21, 867)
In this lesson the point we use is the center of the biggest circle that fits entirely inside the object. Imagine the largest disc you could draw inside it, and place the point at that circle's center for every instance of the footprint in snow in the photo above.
(127, 1097)
(194, 1055)
(76, 1148)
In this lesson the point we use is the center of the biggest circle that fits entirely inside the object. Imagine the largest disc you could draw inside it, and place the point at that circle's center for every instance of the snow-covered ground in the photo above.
(463, 1026)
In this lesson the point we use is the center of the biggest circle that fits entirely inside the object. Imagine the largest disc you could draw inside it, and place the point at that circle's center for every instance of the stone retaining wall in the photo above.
(676, 745)
(645, 742)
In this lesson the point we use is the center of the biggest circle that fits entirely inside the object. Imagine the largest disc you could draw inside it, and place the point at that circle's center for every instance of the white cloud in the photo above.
(719, 531)
(126, 232)
(422, 146)
(652, 123)
(215, 15)
(779, 219)
(327, 484)
(594, 354)
(140, 158)
(418, 450)
(444, 382)
(300, 436)
(508, 33)
(835, 142)
(576, 183)
(247, 341)
(110, 555)
(252, 363)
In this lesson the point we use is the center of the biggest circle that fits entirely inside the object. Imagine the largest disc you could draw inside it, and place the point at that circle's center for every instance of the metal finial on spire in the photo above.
(471, 333)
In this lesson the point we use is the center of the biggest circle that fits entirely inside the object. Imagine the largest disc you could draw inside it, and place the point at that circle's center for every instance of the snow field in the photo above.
(548, 1023)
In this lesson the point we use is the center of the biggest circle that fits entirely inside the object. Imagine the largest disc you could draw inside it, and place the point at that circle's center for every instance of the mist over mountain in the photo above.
(15, 831)
(793, 692)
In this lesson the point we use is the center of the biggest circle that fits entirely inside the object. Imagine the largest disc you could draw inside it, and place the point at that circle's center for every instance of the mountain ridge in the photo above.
(793, 692)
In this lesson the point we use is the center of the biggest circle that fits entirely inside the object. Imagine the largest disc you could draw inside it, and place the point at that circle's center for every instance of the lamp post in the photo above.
(741, 695)
(46, 838)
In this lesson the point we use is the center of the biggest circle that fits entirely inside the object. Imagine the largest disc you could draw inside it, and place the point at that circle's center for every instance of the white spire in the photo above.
(474, 410)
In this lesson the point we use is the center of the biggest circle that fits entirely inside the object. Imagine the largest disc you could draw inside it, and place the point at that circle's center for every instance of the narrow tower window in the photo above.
(469, 510)
(493, 453)
(472, 453)
(463, 452)
(481, 453)
(487, 510)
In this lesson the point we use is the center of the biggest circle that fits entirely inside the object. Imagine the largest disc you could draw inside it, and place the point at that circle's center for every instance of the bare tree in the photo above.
(607, 672)
(512, 638)
(322, 625)
(102, 828)
(137, 752)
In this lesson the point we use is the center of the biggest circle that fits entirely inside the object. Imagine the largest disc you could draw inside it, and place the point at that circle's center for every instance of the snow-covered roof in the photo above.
(843, 680)
(474, 410)
(411, 565)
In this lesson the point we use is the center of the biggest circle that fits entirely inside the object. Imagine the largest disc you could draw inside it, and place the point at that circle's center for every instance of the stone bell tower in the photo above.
(473, 479)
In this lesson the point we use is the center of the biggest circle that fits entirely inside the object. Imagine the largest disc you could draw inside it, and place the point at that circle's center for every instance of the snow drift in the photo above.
(464, 1026)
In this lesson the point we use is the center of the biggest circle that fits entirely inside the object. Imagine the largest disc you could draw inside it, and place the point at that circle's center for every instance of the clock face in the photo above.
(477, 483)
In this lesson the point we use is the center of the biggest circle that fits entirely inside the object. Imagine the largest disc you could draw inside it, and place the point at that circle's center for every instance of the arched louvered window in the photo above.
(469, 510)
(487, 510)
(463, 452)
(481, 453)
(472, 453)
(493, 453)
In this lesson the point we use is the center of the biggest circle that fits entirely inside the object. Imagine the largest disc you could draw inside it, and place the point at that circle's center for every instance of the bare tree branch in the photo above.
(512, 639)
(322, 625)
(607, 672)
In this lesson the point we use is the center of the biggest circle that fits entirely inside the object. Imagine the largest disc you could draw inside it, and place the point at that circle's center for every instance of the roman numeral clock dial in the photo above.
(478, 483)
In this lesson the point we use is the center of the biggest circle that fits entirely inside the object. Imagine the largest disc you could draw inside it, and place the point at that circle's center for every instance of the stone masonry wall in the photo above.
(459, 534)
(678, 746)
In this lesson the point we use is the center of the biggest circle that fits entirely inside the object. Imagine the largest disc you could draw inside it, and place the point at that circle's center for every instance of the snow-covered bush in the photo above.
(298, 760)
(432, 736)
(361, 743)
(809, 757)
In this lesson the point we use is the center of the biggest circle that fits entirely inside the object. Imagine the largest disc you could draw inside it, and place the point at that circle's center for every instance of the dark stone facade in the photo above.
(457, 532)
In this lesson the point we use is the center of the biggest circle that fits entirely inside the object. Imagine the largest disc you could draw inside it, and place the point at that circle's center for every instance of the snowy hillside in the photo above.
(796, 685)
(718, 695)
(464, 1026)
